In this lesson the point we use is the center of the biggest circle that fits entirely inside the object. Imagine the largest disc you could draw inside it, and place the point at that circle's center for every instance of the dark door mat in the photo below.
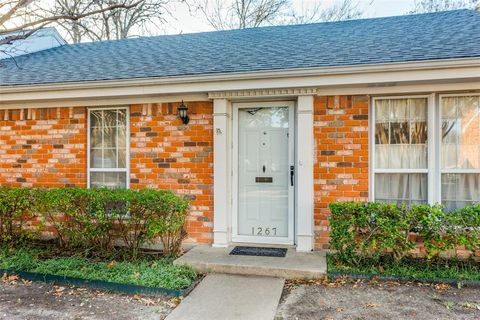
(259, 251)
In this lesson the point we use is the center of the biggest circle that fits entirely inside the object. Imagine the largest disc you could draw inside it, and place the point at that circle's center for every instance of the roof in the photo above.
(433, 36)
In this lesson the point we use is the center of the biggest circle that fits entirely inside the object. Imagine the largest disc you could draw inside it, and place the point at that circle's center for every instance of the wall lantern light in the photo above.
(182, 112)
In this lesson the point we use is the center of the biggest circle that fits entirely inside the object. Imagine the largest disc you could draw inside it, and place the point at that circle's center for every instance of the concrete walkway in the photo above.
(232, 297)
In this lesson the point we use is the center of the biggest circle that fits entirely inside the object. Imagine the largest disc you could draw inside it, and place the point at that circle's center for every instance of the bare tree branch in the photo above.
(145, 18)
(318, 12)
(241, 14)
(22, 18)
(425, 6)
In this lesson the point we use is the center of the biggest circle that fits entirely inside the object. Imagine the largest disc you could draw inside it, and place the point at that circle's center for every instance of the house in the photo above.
(42, 39)
(261, 128)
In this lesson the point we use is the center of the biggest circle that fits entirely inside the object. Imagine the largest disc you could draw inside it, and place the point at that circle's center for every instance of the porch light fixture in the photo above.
(182, 112)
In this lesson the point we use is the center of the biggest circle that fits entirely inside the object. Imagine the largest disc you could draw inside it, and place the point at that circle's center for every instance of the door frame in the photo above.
(290, 239)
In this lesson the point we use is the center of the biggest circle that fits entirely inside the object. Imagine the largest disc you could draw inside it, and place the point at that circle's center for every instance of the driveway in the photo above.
(344, 299)
(24, 300)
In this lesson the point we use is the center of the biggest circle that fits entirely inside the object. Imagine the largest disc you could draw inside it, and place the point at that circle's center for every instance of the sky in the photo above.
(183, 22)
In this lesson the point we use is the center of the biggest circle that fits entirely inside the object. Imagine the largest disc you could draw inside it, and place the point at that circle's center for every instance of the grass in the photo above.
(160, 273)
(417, 269)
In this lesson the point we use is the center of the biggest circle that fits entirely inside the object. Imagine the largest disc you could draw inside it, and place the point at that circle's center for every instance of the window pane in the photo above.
(96, 118)
(122, 118)
(400, 188)
(109, 158)
(418, 109)
(108, 145)
(107, 135)
(399, 109)
(399, 157)
(381, 133)
(382, 111)
(401, 142)
(111, 180)
(122, 158)
(461, 133)
(418, 132)
(399, 133)
(110, 118)
(96, 158)
(460, 189)
(96, 137)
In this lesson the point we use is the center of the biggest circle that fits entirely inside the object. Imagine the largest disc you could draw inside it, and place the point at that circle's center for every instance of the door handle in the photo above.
(292, 174)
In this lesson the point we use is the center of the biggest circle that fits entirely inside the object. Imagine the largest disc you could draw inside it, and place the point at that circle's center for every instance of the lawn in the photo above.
(159, 273)
(412, 269)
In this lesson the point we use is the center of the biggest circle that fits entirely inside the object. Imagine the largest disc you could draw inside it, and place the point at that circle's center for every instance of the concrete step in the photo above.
(205, 259)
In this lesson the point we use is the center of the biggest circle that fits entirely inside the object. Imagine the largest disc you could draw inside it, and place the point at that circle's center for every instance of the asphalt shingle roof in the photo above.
(444, 35)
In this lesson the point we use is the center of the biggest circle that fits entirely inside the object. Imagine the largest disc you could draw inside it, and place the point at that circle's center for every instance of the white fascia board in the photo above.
(371, 75)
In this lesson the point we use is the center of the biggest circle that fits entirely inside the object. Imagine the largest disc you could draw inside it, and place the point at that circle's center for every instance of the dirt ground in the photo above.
(35, 300)
(347, 299)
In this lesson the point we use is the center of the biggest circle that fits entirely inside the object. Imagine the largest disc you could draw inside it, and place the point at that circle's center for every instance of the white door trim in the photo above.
(291, 189)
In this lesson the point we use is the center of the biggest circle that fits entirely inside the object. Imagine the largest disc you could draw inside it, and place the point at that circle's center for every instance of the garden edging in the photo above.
(101, 284)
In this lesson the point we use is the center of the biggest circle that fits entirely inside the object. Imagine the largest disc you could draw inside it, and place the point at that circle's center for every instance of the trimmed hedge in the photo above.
(92, 220)
(370, 230)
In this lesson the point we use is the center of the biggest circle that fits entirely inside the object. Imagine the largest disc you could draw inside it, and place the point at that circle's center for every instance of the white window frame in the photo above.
(440, 170)
(127, 160)
(431, 152)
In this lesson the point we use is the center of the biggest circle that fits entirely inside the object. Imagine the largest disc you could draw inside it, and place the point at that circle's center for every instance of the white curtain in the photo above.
(401, 188)
(401, 143)
(460, 150)
(460, 189)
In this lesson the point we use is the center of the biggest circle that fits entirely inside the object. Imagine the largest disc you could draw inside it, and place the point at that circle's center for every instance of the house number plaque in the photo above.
(260, 231)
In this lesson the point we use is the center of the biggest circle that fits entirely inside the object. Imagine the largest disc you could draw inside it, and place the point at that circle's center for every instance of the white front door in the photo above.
(265, 173)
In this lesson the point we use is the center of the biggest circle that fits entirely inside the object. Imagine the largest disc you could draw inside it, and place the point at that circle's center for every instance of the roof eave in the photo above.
(252, 75)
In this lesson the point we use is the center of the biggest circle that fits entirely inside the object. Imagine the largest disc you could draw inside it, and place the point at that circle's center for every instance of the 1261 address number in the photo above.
(260, 231)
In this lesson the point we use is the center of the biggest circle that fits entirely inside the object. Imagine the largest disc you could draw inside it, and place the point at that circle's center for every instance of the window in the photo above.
(460, 151)
(108, 148)
(400, 150)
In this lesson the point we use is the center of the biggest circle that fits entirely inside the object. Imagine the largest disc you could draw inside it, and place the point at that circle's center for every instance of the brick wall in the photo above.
(43, 147)
(166, 154)
(341, 156)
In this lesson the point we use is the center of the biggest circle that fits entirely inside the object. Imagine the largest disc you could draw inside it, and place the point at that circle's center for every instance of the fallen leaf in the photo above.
(441, 287)
(9, 279)
(59, 289)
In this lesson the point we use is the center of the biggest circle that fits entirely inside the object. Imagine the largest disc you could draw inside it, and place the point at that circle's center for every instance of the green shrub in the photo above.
(145, 215)
(371, 230)
(78, 217)
(15, 212)
(92, 220)
(464, 227)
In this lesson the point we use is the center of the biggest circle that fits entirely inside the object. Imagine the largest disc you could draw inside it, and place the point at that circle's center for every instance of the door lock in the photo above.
(292, 174)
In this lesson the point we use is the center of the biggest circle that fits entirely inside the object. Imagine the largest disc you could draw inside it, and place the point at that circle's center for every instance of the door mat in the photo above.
(259, 251)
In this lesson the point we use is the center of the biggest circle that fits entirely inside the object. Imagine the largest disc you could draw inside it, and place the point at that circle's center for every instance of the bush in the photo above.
(371, 230)
(15, 212)
(464, 227)
(77, 217)
(91, 221)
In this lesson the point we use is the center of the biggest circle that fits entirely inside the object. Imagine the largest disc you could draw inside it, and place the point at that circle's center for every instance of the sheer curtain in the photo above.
(460, 151)
(401, 143)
